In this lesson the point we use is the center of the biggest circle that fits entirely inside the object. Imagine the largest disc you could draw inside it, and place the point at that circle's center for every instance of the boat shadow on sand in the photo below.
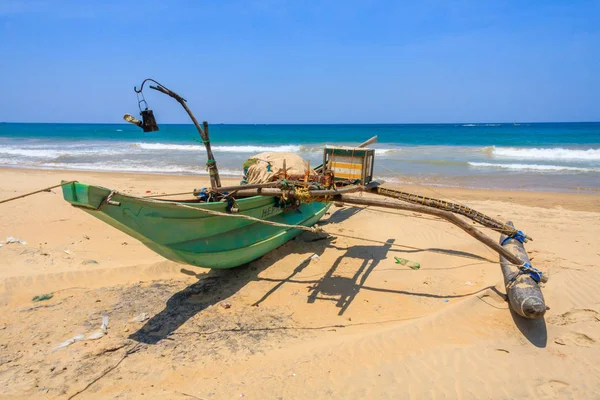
(216, 285)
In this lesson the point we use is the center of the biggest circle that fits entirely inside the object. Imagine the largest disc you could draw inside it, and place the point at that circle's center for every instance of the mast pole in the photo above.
(211, 164)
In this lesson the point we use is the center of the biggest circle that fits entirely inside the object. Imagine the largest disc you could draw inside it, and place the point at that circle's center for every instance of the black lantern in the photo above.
(148, 121)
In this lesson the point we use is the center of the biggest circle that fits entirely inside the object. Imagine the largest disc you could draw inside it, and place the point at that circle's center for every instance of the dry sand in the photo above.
(349, 324)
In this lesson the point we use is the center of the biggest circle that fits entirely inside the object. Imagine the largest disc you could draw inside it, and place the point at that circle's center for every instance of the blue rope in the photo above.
(518, 235)
(203, 194)
(535, 273)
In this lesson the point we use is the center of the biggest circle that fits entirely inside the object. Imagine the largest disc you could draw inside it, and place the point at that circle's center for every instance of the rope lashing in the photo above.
(202, 194)
(232, 206)
(517, 235)
(201, 141)
(303, 195)
(211, 166)
(535, 273)
(285, 184)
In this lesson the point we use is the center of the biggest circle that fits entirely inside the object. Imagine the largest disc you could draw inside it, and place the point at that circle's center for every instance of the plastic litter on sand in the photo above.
(11, 239)
(408, 263)
(140, 318)
(81, 337)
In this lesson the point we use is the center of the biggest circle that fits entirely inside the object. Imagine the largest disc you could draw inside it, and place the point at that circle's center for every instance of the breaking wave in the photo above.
(120, 167)
(38, 153)
(230, 149)
(254, 149)
(532, 167)
(45, 152)
(556, 153)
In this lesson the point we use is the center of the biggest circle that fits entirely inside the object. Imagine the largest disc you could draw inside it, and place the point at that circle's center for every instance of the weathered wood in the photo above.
(319, 168)
(524, 294)
(274, 192)
(333, 192)
(215, 180)
(318, 193)
(211, 163)
(243, 187)
(455, 208)
(368, 142)
(471, 230)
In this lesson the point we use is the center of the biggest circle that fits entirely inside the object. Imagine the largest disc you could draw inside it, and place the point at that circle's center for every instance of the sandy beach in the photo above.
(347, 323)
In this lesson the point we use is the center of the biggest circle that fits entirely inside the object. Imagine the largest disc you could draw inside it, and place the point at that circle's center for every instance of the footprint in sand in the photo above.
(576, 338)
(574, 316)
(552, 389)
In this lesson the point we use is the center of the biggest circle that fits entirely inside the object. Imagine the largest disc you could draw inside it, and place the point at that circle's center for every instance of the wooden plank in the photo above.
(346, 165)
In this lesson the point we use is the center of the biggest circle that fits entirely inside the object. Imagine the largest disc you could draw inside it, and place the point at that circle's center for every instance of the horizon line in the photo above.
(318, 123)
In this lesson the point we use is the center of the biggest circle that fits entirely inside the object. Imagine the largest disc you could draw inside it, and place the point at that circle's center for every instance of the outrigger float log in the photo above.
(224, 227)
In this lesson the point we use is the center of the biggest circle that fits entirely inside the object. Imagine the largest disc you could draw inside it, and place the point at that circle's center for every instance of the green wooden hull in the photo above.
(194, 237)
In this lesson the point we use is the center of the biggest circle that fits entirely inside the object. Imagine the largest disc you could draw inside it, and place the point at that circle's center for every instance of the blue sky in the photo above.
(269, 61)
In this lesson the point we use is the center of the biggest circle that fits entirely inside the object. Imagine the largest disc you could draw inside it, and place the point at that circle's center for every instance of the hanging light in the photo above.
(148, 122)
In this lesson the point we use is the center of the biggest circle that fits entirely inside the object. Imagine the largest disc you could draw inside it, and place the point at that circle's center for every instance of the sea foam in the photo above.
(556, 153)
(254, 149)
(532, 167)
(127, 167)
(55, 152)
(230, 149)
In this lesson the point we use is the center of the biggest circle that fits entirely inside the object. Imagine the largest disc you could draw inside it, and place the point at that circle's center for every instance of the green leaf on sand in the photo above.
(43, 297)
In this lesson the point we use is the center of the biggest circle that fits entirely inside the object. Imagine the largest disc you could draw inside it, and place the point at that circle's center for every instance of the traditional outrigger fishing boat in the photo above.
(225, 227)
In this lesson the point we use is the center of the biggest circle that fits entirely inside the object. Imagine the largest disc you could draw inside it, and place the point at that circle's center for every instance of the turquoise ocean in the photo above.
(527, 156)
